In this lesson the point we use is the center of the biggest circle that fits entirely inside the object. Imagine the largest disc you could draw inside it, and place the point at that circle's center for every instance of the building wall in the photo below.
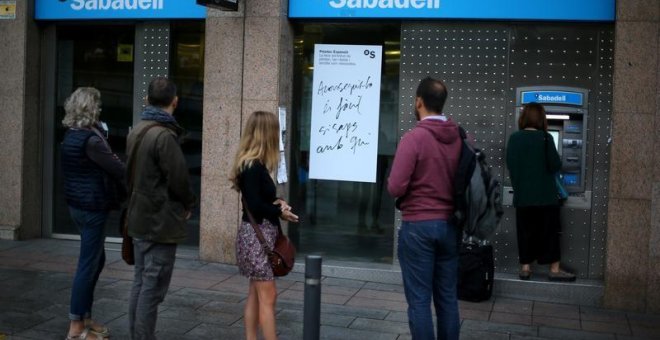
(248, 68)
(248, 60)
(248, 56)
(20, 178)
(633, 247)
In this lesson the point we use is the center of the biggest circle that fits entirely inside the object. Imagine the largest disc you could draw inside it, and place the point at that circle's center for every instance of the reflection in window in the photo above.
(187, 71)
(100, 57)
(347, 221)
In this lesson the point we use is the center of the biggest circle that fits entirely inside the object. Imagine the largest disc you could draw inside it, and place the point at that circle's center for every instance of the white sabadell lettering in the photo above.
(417, 3)
(354, 4)
(402, 3)
(370, 3)
(338, 3)
(385, 4)
(92, 5)
(77, 5)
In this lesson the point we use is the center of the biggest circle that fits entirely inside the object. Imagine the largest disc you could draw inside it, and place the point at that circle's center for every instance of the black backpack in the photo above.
(477, 212)
(477, 194)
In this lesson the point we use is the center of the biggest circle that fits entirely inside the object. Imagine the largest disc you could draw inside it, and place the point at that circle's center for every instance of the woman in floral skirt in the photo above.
(252, 175)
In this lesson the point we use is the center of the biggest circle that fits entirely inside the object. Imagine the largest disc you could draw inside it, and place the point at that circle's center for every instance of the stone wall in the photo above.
(248, 68)
(20, 144)
(632, 275)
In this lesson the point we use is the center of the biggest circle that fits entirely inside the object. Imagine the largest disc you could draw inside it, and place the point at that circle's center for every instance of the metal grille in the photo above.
(482, 65)
(152, 49)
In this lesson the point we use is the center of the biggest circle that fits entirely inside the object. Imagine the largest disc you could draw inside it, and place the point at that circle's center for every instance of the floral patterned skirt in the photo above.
(250, 256)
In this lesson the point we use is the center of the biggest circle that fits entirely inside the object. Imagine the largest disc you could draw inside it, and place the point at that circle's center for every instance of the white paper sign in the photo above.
(281, 169)
(345, 111)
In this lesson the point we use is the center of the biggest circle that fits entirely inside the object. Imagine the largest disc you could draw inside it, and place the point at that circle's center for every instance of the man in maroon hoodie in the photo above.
(422, 178)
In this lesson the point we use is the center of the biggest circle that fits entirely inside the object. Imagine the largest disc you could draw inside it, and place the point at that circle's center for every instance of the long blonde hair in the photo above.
(259, 142)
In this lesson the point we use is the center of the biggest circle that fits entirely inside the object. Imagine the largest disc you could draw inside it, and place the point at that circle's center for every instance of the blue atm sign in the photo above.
(553, 97)
(556, 10)
(118, 9)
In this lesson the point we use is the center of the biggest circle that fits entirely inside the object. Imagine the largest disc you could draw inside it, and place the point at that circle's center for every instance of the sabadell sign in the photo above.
(118, 9)
(556, 10)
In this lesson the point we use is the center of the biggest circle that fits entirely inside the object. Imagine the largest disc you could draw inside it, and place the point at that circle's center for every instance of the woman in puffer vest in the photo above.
(91, 171)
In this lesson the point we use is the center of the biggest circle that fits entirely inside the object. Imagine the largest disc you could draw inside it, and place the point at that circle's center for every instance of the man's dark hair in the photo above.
(161, 92)
(433, 93)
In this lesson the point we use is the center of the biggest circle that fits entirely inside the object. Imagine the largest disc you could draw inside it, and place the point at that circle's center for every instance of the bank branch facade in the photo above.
(341, 75)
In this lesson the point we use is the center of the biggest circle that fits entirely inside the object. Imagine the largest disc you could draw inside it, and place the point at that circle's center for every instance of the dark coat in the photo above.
(532, 164)
(161, 194)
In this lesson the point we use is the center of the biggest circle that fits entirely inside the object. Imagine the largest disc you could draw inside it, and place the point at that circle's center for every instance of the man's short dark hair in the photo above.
(433, 93)
(161, 92)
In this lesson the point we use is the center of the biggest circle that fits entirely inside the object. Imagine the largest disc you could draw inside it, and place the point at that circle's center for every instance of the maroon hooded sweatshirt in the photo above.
(423, 170)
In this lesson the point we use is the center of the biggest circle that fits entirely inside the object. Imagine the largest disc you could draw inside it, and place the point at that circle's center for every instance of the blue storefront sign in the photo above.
(553, 97)
(556, 10)
(118, 9)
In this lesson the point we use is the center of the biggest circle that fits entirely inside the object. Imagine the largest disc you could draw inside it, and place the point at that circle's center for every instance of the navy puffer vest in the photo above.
(84, 180)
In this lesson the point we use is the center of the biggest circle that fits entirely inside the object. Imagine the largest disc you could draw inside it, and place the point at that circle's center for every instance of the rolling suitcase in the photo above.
(475, 272)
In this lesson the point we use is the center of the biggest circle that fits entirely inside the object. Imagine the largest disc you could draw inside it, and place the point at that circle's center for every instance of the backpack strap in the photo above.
(462, 133)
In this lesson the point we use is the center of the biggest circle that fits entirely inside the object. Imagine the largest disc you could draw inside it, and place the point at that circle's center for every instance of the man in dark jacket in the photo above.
(160, 204)
(422, 177)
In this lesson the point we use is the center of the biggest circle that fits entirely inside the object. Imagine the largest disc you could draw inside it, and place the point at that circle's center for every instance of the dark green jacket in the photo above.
(532, 177)
(161, 192)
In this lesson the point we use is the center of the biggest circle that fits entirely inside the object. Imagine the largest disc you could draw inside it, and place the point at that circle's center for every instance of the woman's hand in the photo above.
(283, 205)
(285, 211)
(287, 215)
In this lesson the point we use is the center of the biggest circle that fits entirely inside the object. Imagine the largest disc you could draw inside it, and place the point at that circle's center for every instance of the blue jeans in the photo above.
(428, 254)
(154, 263)
(91, 260)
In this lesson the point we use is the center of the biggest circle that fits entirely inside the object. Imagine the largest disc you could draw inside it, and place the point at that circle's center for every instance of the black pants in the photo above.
(538, 230)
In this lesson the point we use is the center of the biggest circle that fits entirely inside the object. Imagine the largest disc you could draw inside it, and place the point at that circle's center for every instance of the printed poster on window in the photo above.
(345, 111)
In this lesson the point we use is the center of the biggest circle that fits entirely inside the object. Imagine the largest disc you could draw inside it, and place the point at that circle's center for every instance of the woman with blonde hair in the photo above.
(252, 175)
(89, 169)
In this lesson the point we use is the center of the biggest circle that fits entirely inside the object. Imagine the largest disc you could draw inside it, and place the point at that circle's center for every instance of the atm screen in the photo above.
(555, 137)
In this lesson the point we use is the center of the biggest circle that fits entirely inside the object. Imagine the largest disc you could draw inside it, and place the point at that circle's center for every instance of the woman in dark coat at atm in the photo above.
(533, 162)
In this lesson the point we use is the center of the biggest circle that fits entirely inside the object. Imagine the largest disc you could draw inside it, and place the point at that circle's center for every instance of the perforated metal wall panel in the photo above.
(601, 153)
(472, 61)
(482, 65)
(152, 48)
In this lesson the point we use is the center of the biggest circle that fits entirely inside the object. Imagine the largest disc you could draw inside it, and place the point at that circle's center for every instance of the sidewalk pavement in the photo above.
(205, 301)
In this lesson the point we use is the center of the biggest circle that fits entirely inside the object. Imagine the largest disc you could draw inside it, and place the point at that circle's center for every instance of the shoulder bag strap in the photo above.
(136, 148)
(256, 228)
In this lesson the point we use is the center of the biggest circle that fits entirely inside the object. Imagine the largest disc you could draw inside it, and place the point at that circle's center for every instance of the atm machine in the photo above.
(567, 109)
(583, 224)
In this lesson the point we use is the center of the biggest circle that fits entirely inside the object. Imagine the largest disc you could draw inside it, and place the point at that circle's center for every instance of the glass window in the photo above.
(187, 71)
(100, 57)
(346, 221)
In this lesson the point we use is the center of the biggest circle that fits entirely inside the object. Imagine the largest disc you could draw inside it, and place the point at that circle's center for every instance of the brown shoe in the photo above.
(561, 275)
